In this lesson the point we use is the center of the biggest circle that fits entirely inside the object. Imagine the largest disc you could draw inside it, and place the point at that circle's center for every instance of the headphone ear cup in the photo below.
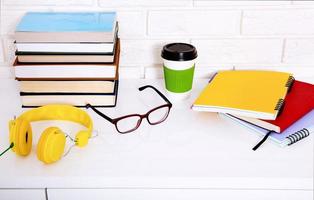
(21, 136)
(51, 145)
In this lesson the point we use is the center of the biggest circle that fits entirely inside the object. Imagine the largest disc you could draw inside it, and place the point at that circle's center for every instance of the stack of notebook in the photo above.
(68, 58)
(268, 102)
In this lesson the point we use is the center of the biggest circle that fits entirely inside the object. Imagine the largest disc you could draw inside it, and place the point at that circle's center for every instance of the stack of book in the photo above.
(67, 58)
(270, 103)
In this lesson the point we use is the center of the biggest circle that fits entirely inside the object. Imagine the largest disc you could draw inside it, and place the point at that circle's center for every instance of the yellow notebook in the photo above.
(250, 93)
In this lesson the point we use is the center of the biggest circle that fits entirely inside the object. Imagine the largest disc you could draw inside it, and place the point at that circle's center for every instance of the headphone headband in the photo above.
(59, 112)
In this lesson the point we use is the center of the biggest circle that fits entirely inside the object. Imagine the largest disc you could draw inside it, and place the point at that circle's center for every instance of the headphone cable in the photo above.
(10, 147)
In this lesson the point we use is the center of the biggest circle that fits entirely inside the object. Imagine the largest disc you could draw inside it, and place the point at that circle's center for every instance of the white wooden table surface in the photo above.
(191, 155)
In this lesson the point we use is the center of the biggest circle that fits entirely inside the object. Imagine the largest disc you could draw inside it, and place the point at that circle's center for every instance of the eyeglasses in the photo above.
(129, 123)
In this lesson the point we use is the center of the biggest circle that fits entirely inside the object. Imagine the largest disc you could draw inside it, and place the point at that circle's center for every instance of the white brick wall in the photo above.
(299, 51)
(237, 51)
(278, 22)
(193, 22)
(202, 3)
(146, 3)
(143, 52)
(241, 34)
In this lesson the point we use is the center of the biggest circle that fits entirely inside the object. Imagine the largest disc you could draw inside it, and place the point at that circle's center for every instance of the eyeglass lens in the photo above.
(128, 124)
(159, 115)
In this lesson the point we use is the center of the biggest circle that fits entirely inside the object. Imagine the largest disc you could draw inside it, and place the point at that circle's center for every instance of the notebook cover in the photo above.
(67, 22)
(299, 101)
(245, 90)
(304, 122)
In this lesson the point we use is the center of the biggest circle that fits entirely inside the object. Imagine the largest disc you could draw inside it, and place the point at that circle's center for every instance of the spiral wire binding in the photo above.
(297, 136)
(279, 104)
(289, 82)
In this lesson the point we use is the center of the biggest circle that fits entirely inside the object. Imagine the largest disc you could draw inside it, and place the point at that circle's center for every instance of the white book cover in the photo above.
(66, 47)
(66, 71)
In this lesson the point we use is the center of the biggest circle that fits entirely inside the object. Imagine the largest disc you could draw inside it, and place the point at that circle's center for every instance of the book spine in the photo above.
(79, 106)
(64, 93)
(17, 53)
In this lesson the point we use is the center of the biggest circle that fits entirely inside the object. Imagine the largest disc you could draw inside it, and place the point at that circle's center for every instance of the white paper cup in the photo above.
(179, 64)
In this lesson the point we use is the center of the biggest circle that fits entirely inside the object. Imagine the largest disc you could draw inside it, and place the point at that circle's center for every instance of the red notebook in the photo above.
(298, 102)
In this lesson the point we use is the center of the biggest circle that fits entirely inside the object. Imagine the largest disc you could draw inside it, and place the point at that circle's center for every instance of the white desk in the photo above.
(191, 155)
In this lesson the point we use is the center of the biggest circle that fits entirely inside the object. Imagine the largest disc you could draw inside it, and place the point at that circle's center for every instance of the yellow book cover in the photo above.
(250, 93)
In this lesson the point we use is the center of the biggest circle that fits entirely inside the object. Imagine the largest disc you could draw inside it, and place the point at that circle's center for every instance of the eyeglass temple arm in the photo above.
(99, 113)
(161, 94)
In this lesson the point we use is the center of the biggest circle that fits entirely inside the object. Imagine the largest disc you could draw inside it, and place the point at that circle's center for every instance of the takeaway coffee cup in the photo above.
(179, 64)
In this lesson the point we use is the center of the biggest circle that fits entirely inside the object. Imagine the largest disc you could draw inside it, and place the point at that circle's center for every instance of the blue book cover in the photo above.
(281, 139)
(67, 22)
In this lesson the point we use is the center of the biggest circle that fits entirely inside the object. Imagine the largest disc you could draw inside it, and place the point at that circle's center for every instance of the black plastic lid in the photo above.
(179, 52)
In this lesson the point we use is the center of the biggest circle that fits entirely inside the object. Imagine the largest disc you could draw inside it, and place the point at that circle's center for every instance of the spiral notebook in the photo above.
(291, 135)
(246, 93)
(292, 110)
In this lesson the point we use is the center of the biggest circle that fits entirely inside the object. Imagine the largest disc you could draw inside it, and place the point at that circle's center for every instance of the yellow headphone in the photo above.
(51, 144)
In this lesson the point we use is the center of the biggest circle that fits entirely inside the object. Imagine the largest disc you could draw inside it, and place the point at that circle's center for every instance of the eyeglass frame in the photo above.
(141, 116)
